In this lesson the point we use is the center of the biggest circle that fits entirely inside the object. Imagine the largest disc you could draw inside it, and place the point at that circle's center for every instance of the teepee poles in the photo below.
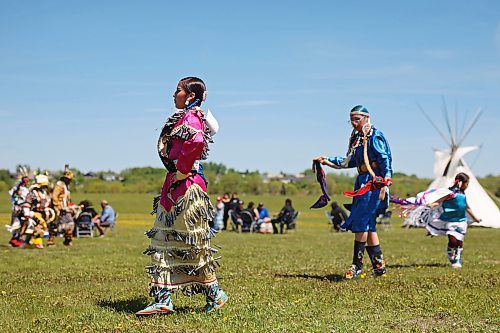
(435, 126)
(476, 118)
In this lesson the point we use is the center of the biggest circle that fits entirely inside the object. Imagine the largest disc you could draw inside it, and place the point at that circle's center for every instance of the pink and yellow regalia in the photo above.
(182, 257)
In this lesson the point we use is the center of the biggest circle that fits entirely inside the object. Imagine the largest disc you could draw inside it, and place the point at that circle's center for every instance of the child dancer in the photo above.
(453, 220)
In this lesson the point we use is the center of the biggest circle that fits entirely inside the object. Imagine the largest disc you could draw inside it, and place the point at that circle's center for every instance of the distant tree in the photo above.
(399, 174)
(308, 172)
(223, 179)
(6, 177)
(216, 168)
(231, 182)
(274, 187)
(253, 184)
(290, 189)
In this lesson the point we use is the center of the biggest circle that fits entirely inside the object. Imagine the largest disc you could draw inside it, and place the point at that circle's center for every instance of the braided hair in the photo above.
(194, 85)
(461, 182)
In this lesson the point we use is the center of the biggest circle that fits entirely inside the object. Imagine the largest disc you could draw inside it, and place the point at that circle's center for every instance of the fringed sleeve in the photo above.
(339, 160)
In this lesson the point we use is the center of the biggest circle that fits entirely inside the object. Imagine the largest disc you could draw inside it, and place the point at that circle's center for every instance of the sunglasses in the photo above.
(355, 120)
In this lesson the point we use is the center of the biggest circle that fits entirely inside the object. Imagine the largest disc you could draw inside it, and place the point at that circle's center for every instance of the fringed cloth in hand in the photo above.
(320, 177)
(416, 212)
(182, 257)
(376, 183)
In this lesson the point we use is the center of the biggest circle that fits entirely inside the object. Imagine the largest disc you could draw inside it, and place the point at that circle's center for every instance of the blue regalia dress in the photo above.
(365, 208)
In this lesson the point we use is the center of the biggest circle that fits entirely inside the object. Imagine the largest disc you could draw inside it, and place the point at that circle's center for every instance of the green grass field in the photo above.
(276, 283)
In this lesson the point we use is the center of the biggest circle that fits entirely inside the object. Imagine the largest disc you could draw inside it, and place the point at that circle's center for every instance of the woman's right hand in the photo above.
(320, 159)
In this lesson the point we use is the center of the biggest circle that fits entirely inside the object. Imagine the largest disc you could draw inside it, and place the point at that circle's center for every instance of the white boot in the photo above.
(457, 261)
(451, 254)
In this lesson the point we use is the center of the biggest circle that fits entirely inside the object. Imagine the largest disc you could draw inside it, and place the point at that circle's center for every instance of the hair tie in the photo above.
(196, 102)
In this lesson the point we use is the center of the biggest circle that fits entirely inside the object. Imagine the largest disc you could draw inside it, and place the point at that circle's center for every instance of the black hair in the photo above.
(251, 204)
(66, 180)
(85, 203)
(194, 85)
(288, 202)
(461, 179)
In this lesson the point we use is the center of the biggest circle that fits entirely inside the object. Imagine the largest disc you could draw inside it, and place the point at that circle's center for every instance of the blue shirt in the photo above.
(108, 214)
(263, 212)
(454, 209)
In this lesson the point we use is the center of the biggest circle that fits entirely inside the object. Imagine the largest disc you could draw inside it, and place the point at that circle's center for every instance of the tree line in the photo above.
(223, 179)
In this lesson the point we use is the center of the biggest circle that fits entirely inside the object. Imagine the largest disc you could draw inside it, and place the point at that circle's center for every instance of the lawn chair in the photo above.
(289, 221)
(248, 222)
(84, 225)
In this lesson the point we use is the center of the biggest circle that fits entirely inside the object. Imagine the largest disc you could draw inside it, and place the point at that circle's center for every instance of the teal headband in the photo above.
(360, 109)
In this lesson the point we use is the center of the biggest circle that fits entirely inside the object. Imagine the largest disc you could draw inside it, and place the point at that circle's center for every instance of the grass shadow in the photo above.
(131, 306)
(329, 277)
(125, 305)
(397, 266)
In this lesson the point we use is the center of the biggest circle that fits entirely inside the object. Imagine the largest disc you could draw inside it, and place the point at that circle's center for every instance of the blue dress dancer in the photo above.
(370, 153)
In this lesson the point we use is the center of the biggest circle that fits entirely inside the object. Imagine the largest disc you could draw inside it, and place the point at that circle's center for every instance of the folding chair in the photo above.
(249, 223)
(84, 225)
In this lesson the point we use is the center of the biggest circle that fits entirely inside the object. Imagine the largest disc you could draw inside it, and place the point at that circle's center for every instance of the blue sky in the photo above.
(89, 83)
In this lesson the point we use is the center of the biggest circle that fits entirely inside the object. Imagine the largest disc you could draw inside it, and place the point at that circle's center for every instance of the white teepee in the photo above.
(451, 161)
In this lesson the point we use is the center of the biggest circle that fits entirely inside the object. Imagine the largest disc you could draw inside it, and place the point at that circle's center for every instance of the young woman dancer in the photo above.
(181, 253)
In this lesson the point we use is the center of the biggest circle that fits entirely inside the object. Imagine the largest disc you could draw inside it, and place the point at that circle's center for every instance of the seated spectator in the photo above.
(384, 218)
(219, 215)
(236, 216)
(255, 213)
(87, 217)
(284, 218)
(88, 213)
(251, 217)
(107, 218)
(337, 216)
(264, 224)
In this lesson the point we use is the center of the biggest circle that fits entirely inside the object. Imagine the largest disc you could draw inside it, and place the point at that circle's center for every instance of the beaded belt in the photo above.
(363, 169)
